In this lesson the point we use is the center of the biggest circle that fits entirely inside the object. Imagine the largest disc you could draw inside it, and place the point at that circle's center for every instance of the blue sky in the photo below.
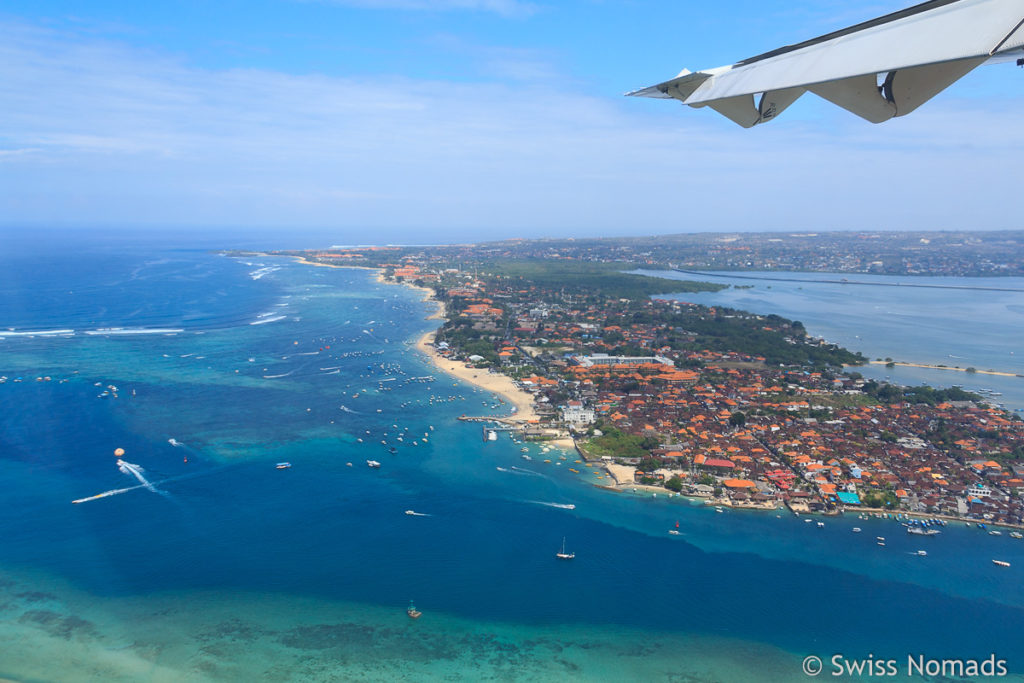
(445, 120)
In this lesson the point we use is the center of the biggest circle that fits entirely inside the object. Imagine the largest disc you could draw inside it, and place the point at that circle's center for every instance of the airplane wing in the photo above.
(878, 69)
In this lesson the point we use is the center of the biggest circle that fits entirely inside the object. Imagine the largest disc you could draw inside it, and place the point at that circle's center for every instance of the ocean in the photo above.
(207, 562)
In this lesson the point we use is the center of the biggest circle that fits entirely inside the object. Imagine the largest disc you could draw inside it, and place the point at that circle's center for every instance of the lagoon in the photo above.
(965, 322)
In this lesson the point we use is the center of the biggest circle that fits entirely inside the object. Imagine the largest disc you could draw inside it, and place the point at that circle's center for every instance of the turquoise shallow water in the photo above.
(234, 570)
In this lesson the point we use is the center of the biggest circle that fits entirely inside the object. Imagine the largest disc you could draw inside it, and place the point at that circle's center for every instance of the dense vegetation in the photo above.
(776, 339)
(618, 444)
(589, 278)
(891, 393)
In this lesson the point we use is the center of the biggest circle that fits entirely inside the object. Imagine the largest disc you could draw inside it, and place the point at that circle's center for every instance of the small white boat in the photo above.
(821, 525)
(674, 532)
(1016, 534)
(283, 465)
(856, 529)
(372, 463)
(921, 553)
(995, 533)
(1000, 563)
(562, 555)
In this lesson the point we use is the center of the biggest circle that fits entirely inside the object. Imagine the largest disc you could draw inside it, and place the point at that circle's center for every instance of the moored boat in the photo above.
(562, 555)
(283, 465)
(413, 612)
(372, 463)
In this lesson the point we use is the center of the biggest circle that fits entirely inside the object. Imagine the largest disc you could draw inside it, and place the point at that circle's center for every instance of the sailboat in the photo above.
(675, 532)
(413, 612)
(562, 555)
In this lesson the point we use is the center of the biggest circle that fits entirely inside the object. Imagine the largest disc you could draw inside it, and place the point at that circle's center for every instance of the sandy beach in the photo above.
(496, 383)
(944, 367)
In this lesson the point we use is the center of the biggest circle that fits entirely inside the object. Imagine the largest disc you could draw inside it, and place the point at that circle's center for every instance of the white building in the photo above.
(576, 413)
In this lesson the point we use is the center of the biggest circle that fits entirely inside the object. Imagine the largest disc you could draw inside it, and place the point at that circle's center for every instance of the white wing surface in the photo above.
(878, 69)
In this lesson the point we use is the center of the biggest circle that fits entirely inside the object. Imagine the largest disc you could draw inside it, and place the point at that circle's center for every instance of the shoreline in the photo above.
(506, 388)
(943, 367)
(496, 383)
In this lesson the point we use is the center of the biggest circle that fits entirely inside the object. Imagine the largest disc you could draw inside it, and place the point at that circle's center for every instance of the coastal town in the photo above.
(663, 396)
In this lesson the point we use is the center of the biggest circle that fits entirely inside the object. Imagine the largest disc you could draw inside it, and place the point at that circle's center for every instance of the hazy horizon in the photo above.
(451, 121)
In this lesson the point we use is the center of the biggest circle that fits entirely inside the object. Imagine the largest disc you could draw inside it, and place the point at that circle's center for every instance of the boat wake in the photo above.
(348, 410)
(520, 470)
(175, 442)
(564, 506)
(107, 494)
(277, 376)
(147, 485)
(136, 471)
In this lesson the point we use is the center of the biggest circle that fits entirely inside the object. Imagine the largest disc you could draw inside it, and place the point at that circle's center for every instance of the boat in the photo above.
(524, 449)
(856, 529)
(562, 555)
(821, 525)
(880, 538)
(995, 533)
(1016, 534)
(1000, 563)
(921, 553)
(372, 463)
(413, 612)
(674, 532)
(920, 531)
(283, 465)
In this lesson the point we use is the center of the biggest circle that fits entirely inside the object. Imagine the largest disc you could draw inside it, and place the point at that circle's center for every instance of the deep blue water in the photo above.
(304, 385)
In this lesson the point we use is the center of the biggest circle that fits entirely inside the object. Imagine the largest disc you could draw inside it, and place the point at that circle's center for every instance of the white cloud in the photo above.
(123, 136)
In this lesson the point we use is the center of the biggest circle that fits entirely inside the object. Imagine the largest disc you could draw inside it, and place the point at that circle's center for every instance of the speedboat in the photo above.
(1000, 563)
(372, 463)
(283, 465)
